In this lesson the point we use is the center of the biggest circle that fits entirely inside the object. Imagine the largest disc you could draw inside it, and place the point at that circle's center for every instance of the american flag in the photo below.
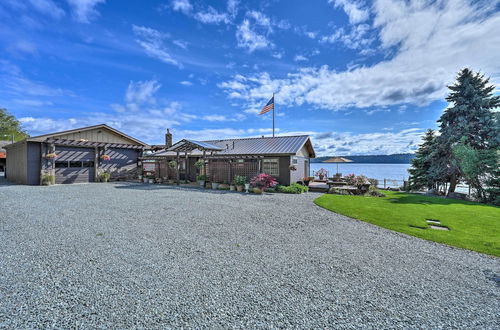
(268, 107)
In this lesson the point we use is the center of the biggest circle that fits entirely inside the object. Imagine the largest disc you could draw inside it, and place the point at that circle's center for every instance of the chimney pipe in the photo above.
(168, 139)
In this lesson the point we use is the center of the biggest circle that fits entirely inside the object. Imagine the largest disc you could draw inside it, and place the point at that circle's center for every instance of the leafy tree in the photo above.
(10, 127)
(420, 173)
(470, 119)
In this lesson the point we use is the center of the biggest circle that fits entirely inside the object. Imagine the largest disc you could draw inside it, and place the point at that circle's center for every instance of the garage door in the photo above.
(74, 165)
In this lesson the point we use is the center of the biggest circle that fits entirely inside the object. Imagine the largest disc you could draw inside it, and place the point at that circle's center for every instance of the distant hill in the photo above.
(376, 159)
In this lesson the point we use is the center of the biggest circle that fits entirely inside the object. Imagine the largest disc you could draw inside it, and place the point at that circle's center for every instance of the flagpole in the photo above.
(274, 106)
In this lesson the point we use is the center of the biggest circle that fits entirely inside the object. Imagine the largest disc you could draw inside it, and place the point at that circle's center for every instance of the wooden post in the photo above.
(204, 165)
(96, 163)
(385, 183)
(186, 173)
(260, 165)
(230, 172)
(177, 169)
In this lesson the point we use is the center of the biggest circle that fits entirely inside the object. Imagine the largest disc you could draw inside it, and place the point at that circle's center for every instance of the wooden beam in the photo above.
(186, 171)
(177, 167)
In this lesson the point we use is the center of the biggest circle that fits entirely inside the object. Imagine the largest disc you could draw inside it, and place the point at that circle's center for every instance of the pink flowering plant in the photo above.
(263, 181)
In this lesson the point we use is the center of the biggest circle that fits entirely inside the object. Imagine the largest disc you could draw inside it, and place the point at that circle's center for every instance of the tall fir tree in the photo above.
(470, 119)
(420, 174)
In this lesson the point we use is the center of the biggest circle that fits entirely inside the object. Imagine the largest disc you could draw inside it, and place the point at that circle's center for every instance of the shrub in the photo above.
(349, 178)
(374, 192)
(294, 188)
(240, 180)
(338, 191)
(172, 164)
(373, 182)
(201, 177)
(105, 176)
(199, 164)
(263, 181)
(48, 179)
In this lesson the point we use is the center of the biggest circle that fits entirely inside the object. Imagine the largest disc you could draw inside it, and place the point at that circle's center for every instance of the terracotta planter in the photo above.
(240, 188)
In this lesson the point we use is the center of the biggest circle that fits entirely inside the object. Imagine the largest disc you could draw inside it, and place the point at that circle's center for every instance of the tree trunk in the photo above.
(453, 183)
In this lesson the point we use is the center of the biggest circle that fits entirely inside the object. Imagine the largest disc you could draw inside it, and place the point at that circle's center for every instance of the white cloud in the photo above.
(382, 143)
(356, 37)
(181, 43)
(208, 15)
(153, 43)
(142, 92)
(249, 39)
(33, 103)
(186, 83)
(48, 7)
(300, 58)
(354, 10)
(84, 10)
(183, 6)
(212, 16)
(424, 61)
(219, 118)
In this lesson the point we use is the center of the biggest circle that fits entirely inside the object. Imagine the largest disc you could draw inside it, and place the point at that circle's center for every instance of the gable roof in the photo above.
(41, 138)
(279, 145)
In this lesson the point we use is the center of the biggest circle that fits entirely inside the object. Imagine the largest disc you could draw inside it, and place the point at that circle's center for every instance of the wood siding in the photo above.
(33, 163)
(97, 135)
(16, 163)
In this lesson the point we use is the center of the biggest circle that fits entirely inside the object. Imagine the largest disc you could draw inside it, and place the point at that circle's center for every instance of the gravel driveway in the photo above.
(146, 256)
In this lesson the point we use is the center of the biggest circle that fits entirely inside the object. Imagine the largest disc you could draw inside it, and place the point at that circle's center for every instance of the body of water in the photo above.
(376, 171)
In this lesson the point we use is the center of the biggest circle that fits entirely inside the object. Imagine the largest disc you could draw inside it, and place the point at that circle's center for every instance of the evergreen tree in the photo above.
(420, 175)
(10, 127)
(470, 119)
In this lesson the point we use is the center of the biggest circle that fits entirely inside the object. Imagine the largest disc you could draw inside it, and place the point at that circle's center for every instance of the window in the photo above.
(61, 164)
(271, 166)
(74, 163)
(87, 163)
(295, 161)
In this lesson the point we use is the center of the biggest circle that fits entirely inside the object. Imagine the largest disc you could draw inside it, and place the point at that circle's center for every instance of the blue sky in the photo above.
(360, 77)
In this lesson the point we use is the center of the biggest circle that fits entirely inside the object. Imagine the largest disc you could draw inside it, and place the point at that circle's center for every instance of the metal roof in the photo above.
(190, 145)
(280, 145)
(261, 146)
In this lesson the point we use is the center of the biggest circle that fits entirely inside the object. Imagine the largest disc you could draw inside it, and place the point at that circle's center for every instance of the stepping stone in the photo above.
(439, 227)
(437, 222)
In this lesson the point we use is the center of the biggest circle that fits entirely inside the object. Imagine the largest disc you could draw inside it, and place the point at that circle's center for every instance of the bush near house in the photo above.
(294, 188)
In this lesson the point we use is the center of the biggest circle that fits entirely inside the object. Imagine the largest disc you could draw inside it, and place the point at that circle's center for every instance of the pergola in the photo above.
(187, 146)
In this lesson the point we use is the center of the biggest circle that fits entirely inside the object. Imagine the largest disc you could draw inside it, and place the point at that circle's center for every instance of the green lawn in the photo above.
(472, 226)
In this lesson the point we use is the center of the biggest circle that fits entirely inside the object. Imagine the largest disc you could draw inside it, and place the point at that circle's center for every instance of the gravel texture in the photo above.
(129, 255)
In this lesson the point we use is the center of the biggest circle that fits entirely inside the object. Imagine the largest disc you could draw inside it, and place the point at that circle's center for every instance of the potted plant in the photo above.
(51, 155)
(306, 181)
(105, 157)
(261, 182)
(215, 185)
(105, 176)
(292, 168)
(172, 164)
(201, 179)
(47, 179)
(322, 173)
(199, 164)
(240, 182)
